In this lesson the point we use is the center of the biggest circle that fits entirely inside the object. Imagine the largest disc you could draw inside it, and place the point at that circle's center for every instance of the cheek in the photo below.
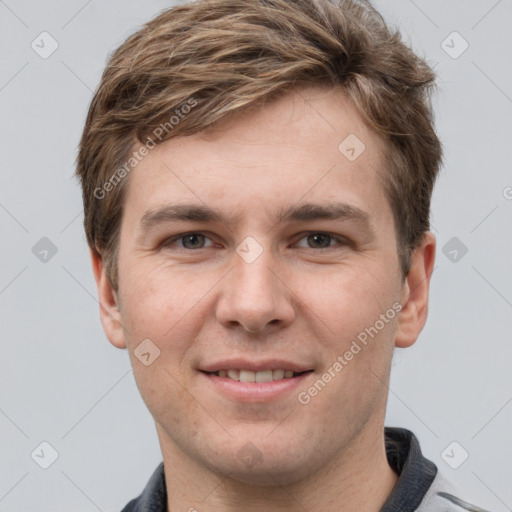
(358, 313)
(166, 397)
(157, 302)
(350, 299)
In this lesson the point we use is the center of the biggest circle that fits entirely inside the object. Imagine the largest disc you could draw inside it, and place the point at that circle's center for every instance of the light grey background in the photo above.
(62, 382)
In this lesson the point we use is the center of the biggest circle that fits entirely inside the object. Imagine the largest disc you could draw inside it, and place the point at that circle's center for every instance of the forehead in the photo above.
(309, 146)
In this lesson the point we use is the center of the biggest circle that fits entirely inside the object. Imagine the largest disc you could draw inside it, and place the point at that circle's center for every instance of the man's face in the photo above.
(256, 291)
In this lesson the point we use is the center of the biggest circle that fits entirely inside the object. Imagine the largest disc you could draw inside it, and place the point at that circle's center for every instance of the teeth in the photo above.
(278, 374)
(265, 376)
(247, 376)
(250, 376)
(234, 374)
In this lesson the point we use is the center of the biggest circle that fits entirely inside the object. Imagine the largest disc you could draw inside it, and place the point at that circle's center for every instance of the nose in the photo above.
(255, 295)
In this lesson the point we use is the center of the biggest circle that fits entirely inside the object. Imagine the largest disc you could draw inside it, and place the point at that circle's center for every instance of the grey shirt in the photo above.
(420, 486)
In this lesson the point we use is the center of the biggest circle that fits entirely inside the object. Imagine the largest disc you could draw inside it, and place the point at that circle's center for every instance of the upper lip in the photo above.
(255, 366)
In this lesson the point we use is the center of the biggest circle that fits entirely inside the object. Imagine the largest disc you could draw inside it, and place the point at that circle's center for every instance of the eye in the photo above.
(190, 241)
(323, 240)
(193, 240)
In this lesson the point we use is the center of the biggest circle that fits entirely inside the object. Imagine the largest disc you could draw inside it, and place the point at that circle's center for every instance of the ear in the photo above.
(415, 292)
(110, 314)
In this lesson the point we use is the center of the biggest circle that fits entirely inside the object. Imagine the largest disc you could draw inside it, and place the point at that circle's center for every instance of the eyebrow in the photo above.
(330, 211)
(303, 213)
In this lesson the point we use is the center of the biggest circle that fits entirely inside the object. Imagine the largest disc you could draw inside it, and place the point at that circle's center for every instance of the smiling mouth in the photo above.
(262, 376)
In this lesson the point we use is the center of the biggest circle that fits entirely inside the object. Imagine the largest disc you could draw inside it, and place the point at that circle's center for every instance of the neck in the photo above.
(360, 478)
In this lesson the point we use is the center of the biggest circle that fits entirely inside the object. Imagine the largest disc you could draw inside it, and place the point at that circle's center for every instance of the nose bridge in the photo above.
(254, 296)
(253, 278)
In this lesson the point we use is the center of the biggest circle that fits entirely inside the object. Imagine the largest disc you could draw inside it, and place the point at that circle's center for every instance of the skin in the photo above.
(304, 299)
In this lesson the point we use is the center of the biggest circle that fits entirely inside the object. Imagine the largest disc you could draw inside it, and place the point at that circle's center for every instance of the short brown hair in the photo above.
(222, 56)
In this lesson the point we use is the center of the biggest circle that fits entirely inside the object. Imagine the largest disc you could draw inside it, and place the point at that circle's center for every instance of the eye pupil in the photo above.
(191, 238)
(325, 237)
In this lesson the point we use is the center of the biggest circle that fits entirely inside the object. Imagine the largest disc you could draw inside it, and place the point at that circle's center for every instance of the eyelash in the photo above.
(342, 240)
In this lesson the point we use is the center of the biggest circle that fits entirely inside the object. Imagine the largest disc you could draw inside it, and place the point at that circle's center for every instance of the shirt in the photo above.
(420, 486)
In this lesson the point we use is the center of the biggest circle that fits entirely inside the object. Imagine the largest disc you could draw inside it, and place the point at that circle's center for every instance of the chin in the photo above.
(265, 463)
(266, 473)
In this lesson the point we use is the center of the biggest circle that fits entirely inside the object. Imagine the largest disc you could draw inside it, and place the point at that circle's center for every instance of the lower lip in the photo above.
(255, 391)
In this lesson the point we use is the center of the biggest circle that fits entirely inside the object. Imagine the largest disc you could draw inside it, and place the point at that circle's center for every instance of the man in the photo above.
(256, 180)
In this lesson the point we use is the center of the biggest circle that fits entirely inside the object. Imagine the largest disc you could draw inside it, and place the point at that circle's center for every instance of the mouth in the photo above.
(252, 382)
(240, 375)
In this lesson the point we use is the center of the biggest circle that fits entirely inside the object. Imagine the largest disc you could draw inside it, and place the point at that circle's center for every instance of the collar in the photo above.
(416, 473)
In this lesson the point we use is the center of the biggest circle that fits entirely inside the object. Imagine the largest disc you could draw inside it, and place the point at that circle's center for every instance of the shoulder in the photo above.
(421, 487)
(154, 495)
(442, 497)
